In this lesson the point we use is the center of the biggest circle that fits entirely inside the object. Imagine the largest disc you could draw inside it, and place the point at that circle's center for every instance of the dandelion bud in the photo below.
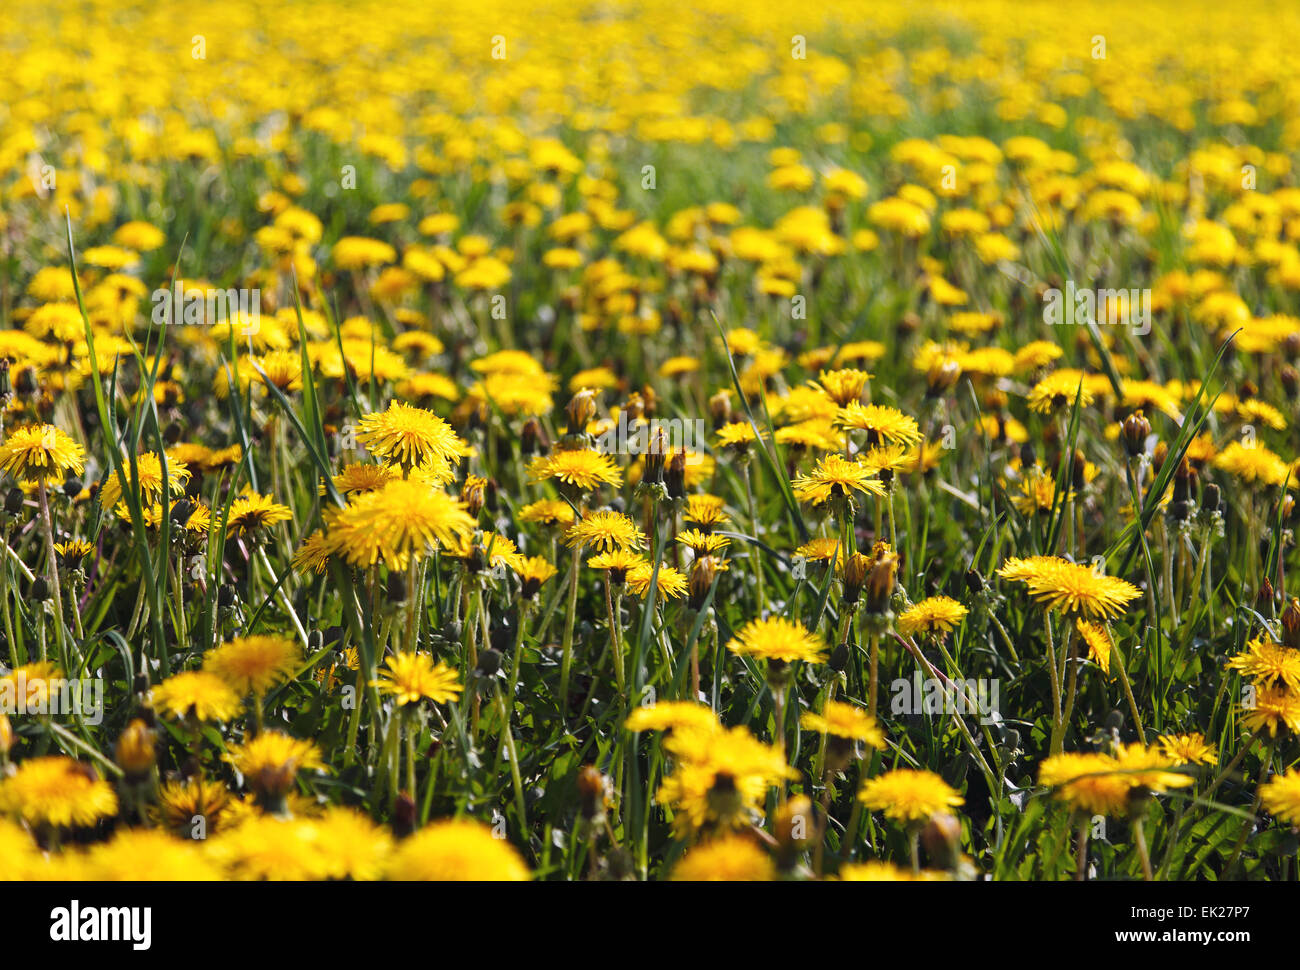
(1211, 498)
(675, 476)
(1290, 381)
(1158, 456)
(396, 587)
(26, 384)
(1134, 431)
(473, 493)
(591, 792)
(856, 569)
(1266, 592)
(1079, 469)
(72, 486)
(839, 658)
(881, 581)
(404, 815)
(794, 824)
(1028, 457)
(1291, 624)
(655, 458)
(703, 570)
(580, 411)
(489, 662)
(136, 753)
(942, 377)
(974, 581)
(1248, 390)
(181, 512)
(1184, 487)
(635, 407)
(533, 440)
(40, 589)
(720, 409)
(226, 596)
(941, 838)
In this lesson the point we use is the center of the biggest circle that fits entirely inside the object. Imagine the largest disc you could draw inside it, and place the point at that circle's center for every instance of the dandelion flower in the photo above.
(835, 477)
(254, 664)
(905, 795)
(413, 677)
(57, 791)
(605, 530)
(846, 721)
(409, 437)
(578, 468)
(777, 638)
(457, 850)
(732, 858)
(41, 453)
(935, 614)
(197, 695)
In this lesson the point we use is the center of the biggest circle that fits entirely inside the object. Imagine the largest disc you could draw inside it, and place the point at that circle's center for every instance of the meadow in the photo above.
(611, 440)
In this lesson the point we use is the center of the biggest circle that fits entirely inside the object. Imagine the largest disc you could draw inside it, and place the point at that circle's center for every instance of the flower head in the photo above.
(1066, 587)
(41, 453)
(459, 850)
(777, 638)
(910, 796)
(409, 437)
(413, 677)
(198, 695)
(934, 614)
(54, 790)
(253, 664)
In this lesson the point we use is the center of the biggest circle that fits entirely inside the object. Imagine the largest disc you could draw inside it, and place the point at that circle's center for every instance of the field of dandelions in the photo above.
(611, 441)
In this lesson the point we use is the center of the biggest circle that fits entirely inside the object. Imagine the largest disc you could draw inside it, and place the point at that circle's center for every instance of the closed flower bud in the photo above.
(591, 792)
(942, 377)
(1134, 432)
(1158, 456)
(703, 570)
(635, 407)
(472, 493)
(1290, 380)
(839, 658)
(396, 587)
(795, 826)
(974, 581)
(40, 589)
(856, 569)
(489, 662)
(533, 440)
(720, 408)
(675, 475)
(881, 581)
(404, 815)
(1291, 624)
(1079, 470)
(136, 752)
(581, 411)
(1210, 500)
(941, 838)
(656, 457)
